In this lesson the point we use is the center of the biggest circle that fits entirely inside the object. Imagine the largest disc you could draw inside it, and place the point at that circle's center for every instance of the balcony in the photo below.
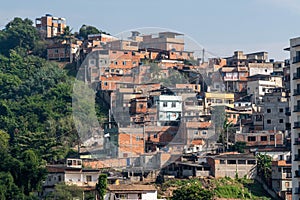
(297, 173)
(296, 76)
(296, 59)
(296, 92)
(297, 157)
(296, 125)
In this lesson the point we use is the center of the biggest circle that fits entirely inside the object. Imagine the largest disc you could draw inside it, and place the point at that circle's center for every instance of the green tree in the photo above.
(101, 186)
(18, 33)
(264, 164)
(65, 192)
(85, 30)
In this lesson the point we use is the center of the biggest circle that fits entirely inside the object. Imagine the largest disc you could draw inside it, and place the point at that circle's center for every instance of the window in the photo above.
(268, 121)
(231, 162)
(141, 106)
(155, 135)
(281, 110)
(281, 121)
(263, 138)
(59, 178)
(105, 83)
(242, 162)
(272, 138)
(251, 138)
(222, 161)
(124, 62)
(137, 138)
(251, 162)
(165, 104)
(88, 178)
(268, 110)
(173, 105)
(116, 62)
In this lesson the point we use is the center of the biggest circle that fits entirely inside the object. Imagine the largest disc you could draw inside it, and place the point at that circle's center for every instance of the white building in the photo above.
(258, 88)
(70, 173)
(295, 114)
(169, 108)
(142, 192)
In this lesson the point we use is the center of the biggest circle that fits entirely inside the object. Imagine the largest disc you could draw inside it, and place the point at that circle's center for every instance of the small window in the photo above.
(281, 121)
(281, 110)
(173, 105)
(251, 138)
(242, 162)
(268, 121)
(272, 138)
(263, 138)
(105, 83)
(141, 106)
(251, 162)
(231, 162)
(88, 178)
(268, 110)
(165, 104)
(137, 138)
(155, 135)
(124, 63)
(222, 161)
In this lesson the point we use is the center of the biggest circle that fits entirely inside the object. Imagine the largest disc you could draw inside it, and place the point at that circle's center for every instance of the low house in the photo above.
(143, 192)
(70, 173)
(232, 165)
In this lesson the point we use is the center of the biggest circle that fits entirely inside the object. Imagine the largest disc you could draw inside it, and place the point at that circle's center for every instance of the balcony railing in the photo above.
(297, 173)
(296, 92)
(296, 76)
(297, 125)
(296, 59)
(297, 157)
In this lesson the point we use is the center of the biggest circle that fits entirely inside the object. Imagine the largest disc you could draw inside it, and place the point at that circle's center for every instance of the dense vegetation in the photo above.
(197, 189)
(35, 111)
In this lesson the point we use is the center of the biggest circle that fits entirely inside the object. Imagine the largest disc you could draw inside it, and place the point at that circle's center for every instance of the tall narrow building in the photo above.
(295, 114)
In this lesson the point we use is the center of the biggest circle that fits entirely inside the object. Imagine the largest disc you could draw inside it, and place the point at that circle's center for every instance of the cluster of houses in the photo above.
(173, 114)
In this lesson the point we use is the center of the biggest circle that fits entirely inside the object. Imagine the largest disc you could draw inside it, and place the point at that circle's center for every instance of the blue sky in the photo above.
(221, 26)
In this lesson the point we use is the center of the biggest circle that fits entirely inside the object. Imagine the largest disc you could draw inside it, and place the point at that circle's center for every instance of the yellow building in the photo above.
(218, 99)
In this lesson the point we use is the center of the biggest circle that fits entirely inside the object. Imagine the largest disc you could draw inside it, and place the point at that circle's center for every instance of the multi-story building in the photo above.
(295, 114)
(275, 105)
(282, 178)
(50, 26)
(70, 173)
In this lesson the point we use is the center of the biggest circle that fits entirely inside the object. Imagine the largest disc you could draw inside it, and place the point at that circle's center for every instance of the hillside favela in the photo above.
(145, 114)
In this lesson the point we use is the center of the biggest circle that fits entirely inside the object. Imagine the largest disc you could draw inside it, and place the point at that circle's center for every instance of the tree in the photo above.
(65, 192)
(264, 164)
(192, 192)
(18, 33)
(101, 185)
(85, 30)
(239, 147)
